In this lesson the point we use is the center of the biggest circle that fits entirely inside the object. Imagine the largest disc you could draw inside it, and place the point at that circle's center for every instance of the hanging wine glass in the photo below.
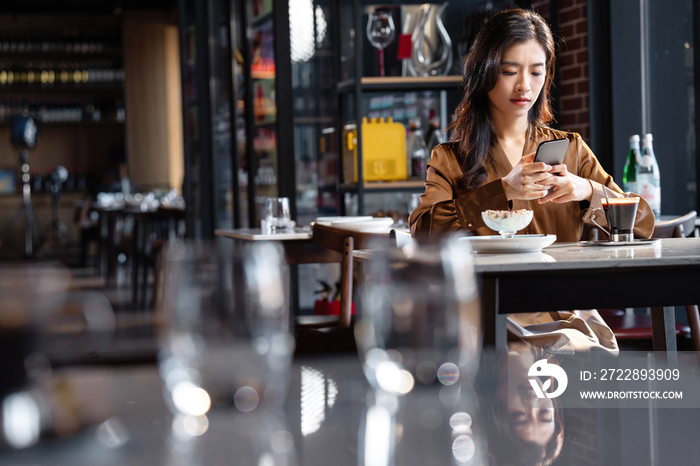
(380, 32)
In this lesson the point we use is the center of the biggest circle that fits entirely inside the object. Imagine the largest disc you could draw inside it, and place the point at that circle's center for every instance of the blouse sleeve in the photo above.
(590, 168)
(442, 210)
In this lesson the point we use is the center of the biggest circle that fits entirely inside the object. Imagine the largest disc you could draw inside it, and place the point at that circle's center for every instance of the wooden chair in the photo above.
(680, 227)
(344, 242)
(638, 326)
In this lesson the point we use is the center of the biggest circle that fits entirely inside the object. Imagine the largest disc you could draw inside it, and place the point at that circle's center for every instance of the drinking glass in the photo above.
(418, 338)
(32, 295)
(421, 320)
(380, 33)
(214, 352)
(277, 214)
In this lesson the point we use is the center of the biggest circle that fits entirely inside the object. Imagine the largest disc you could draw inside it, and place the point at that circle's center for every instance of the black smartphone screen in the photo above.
(552, 152)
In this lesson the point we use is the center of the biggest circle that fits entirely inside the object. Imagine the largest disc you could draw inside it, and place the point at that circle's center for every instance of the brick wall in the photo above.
(572, 63)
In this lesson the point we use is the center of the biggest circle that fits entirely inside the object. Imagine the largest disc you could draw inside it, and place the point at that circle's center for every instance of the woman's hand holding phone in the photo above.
(568, 187)
(528, 180)
(543, 175)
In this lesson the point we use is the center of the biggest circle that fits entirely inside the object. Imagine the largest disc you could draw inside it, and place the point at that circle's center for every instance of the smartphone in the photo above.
(552, 152)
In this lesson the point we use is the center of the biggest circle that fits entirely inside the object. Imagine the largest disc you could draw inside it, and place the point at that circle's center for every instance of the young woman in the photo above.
(496, 130)
(489, 165)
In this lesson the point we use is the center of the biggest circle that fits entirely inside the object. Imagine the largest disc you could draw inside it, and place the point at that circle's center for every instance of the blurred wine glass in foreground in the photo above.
(219, 354)
(30, 296)
(419, 342)
(421, 320)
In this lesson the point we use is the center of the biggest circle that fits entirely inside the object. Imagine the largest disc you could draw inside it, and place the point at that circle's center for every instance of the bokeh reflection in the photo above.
(21, 419)
(318, 393)
(418, 429)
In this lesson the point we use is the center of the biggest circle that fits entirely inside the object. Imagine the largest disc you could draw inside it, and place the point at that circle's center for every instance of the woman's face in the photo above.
(531, 419)
(520, 81)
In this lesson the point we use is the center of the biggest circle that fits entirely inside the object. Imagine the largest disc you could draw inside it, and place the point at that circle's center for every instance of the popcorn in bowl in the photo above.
(507, 222)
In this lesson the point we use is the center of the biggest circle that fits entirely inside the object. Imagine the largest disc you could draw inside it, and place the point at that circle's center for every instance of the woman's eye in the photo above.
(546, 415)
(537, 73)
(509, 73)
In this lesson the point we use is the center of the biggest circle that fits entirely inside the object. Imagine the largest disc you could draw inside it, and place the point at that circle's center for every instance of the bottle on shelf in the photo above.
(434, 136)
(416, 150)
(648, 178)
(629, 176)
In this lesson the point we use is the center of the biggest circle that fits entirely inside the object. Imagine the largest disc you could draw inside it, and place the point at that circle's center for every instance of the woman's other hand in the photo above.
(569, 187)
(528, 180)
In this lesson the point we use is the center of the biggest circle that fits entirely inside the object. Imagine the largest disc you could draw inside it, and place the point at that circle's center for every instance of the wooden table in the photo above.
(573, 276)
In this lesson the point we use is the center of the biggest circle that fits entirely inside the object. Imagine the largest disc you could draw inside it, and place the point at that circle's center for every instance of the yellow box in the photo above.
(383, 151)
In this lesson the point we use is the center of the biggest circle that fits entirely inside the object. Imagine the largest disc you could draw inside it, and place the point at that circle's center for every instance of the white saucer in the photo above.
(329, 220)
(378, 225)
(522, 258)
(518, 243)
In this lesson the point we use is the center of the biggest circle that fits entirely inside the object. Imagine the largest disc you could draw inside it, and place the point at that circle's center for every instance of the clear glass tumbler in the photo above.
(219, 350)
(277, 214)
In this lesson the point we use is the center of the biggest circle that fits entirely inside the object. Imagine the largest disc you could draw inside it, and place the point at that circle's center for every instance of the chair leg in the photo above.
(663, 328)
(346, 283)
(694, 323)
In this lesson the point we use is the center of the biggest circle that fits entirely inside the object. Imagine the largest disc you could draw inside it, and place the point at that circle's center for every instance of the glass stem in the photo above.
(380, 54)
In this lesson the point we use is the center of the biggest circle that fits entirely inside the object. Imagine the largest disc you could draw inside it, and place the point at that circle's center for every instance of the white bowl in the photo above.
(507, 222)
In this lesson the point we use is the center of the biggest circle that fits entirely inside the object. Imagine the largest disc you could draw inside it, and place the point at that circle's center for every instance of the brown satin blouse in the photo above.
(443, 209)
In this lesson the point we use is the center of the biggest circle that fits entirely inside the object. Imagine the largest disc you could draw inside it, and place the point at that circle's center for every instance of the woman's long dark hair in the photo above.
(472, 126)
(504, 446)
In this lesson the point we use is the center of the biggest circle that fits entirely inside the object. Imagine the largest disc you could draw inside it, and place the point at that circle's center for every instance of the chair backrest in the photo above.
(676, 228)
(345, 242)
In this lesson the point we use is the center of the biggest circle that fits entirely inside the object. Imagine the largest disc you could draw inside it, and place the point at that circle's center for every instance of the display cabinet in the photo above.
(299, 74)
(402, 94)
(284, 84)
(406, 68)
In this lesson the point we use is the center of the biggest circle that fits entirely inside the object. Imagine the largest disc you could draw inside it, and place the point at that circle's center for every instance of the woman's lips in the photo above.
(520, 101)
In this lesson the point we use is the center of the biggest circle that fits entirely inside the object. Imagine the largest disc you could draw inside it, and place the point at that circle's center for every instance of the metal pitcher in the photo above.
(431, 45)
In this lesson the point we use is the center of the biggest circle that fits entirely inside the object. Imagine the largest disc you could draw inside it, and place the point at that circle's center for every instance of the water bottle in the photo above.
(629, 177)
(648, 179)
(434, 136)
